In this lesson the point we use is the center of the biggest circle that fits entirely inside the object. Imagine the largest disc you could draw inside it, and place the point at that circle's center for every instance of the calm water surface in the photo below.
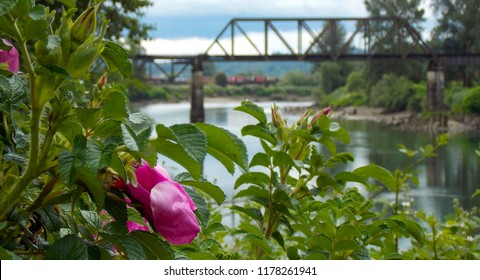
(454, 173)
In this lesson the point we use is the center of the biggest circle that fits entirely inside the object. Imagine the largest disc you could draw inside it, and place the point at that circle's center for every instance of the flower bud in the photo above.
(277, 118)
(324, 111)
(85, 24)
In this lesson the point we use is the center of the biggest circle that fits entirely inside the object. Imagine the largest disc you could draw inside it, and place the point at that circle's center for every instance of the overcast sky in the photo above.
(190, 26)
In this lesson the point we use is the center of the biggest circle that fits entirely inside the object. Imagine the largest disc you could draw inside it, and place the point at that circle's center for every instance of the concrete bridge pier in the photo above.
(197, 110)
(435, 96)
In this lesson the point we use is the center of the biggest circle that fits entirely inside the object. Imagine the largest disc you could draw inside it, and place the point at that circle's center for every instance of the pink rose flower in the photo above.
(165, 204)
(10, 57)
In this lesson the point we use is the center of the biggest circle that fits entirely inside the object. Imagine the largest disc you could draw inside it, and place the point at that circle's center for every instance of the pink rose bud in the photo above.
(10, 57)
(165, 204)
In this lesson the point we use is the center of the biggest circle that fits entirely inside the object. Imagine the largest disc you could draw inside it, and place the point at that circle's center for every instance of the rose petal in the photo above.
(148, 177)
(172, 214)
(133, 226)
(10, 57)
(143, 196)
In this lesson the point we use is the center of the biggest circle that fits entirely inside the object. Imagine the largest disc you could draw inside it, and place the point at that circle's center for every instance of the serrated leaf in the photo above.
(36, 30)
(253, 191)
(115, 107)
(130, 245)
(155, 249)
(379, 173)
(93, 184)
(281, 159)
(88, 117)
(116, 208)
(345, 177)
(6, 6)
(260, 131)
(251, 212)
(255, 178)
(192, 139)
(253, 110)
(260, 159)
(116, 58)
(215, 227)
(176, 153)
(203, 212)
(225, 146)
(137, 118)
(70, 247)
(38, 12)
(129, 138)
(210, 189)
(258, 241)
(51, 218)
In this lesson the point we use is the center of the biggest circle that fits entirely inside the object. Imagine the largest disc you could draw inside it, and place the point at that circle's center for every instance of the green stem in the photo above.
(41, 197)
(434, 237)
(7, 203)
(270, 223)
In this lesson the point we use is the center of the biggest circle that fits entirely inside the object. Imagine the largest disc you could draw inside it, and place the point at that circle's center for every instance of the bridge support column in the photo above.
(197, 111)
(435, 96)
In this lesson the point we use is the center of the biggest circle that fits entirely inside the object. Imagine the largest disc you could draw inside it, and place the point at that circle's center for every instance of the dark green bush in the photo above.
(392, 93)
(471, 101)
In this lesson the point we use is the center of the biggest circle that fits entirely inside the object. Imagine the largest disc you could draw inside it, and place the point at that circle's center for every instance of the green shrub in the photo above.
(454, 95)
(471, 101)
(392, 93)
(416, 102)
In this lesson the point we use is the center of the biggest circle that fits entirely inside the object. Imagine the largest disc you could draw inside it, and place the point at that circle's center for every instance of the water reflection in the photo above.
(454, 173)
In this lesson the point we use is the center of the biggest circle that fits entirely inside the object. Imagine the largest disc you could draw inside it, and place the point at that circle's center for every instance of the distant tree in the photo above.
(389, 40)
(458, 30)
(221, 79)
(209, 69)
(333, 74)
(124, 15)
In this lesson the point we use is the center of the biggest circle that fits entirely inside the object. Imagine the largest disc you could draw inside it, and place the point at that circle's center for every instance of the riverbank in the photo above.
(401, 120)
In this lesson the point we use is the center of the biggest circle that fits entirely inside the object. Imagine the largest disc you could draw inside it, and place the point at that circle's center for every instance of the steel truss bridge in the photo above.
(315, 40)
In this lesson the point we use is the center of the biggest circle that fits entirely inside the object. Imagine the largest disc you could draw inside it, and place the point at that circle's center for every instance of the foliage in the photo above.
(299, 207)
(297, 78)
(221, 79)
(457, 31)
(392, 93)
(124, 15)
(471, 101)
(409, 10)
(65, 144)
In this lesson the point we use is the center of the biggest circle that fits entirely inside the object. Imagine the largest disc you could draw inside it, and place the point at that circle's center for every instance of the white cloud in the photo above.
(196, 45)
(316, 8)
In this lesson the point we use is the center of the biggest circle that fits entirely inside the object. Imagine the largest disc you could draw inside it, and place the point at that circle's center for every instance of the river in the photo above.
(454, 173)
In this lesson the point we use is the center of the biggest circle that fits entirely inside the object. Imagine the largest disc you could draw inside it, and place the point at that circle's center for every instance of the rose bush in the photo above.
(164, 203)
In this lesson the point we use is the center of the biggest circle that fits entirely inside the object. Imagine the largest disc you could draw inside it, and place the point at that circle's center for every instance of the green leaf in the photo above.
(379, 173)
(7, 255)
(116, 208)
(116, 58)
(192, 139)
(70, 247)
(260, 131)
(36, 30)
(129, 138)
(38, 12)
(98, 157)
(477, 193)
(253, 191)
(201, 256)
(205, 186)
(416, 230)
(281, 159)
(345, 177)
(253, 110)
(251, 212)
(215, 227)
(155, 249)
(260, 159)
(115, 107)
(292, 253)
(225, 146)
(256, 178)
(128, 244)
(177, 153)
(93, 184)
(203, 212)
(88, 117)
(6, 6)
(258, 241)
